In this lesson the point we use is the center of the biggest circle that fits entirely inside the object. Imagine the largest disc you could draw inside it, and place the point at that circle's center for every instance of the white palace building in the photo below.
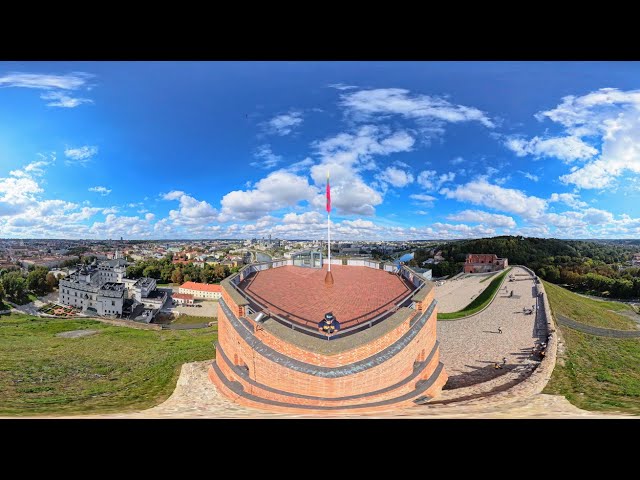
(102, 289)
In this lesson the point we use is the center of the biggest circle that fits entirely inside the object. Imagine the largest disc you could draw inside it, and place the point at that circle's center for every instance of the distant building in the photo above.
(484, 262)
(102, 289)
(204, 291)
(183, 298)
(636, 259)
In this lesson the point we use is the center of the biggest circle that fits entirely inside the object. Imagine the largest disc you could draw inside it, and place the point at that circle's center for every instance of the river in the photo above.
(263, 257)
(404, 258)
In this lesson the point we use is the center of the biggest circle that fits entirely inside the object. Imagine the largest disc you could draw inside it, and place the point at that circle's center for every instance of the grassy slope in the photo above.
(591, 312)
(119, 369)
(599, 373)
(479, 302)
(488, 277)
(184, 319)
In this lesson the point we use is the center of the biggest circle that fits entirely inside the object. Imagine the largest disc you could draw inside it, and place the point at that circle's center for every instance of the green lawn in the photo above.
(599, 373)
(119, 369)
(591, 312)
(189, 319)
(479, 302)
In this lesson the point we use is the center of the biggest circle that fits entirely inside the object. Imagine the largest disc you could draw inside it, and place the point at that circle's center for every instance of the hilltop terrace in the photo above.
(364, 293)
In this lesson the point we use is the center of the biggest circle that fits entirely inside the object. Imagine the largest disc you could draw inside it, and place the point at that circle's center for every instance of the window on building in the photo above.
(113, 303)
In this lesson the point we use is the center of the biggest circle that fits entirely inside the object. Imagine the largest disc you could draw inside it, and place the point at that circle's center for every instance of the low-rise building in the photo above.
(203, 291)
(484, 262)
(183, 298)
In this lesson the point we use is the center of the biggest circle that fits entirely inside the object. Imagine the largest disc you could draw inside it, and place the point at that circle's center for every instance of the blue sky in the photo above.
(241, 149)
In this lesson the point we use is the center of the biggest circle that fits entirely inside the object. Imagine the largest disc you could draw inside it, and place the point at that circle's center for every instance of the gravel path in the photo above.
(603, 332)
(456, 294)
(470, 347)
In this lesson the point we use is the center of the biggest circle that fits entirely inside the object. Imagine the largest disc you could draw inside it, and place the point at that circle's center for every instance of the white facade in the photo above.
(201, 294)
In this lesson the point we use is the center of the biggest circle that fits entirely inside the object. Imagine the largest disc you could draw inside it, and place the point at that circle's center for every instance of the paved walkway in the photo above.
(470, 347)
(459, 292)
(603, 332)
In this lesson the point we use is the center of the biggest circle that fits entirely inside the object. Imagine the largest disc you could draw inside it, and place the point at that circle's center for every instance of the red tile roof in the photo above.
(202, 287)
(300, 295)
(183, 296)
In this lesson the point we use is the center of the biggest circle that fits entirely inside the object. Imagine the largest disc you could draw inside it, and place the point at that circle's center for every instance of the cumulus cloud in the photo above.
(101, 190)
(570, 199)
(486, 218)
(431, 181)
(284, 124)
(567, 149)
(191, 211)
(481, 192)
(398, 101)
(278, 190)
(80, 155)
(341, 86)
(397, 177)
(611, 116)
(267, 159)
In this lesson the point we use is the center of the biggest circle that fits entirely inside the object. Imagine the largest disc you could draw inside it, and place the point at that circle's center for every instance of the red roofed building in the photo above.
(204, 291)
(183, 298)
(484, 262)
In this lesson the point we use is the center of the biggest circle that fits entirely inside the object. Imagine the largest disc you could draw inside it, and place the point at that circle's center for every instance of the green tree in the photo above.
(177, 277)
(52, 281)
(37, 281)
(15, 286)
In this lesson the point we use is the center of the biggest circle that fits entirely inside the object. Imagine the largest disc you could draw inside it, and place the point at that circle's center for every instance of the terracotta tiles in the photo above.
(300, 295)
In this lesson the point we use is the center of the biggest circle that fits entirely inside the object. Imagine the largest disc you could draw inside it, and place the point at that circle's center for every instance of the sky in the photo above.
(415, 150)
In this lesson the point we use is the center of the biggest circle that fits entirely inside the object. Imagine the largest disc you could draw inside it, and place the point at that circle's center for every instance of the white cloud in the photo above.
(284, 124)
(396, 177)
(299, 166)
(457, 161)
(192, 211)
(109, 210)
(566, 149)
(398, 101)
(70, 81)
(278, 190)
(345, 156)
(480, 192)
(594, 216)
(431, 181)
(422, 197)
(531, 176)
(486, 218)
(101, 190)
(612, 115)
(267, 158)
(303, 218)
(173, 195)
(57, 86)
(341, 86)
(81, 155)
(61, 99)
(570, 199)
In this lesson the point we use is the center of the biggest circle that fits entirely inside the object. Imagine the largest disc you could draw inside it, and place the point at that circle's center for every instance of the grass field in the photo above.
(119, 369)
(599, 373)
(190, 319)
(479, 302)
(590, 312)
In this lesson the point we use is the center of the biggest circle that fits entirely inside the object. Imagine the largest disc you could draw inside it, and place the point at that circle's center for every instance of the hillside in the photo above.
(597, 267)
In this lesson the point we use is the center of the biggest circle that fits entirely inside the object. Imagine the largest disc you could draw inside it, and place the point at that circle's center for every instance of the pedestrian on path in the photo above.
(504, 360)
(499, 329)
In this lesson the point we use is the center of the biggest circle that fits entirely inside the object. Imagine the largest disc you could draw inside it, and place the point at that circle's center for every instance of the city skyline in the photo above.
(416, 150)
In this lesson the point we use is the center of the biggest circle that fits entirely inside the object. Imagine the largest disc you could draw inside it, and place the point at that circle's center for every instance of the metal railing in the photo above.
(406, 272)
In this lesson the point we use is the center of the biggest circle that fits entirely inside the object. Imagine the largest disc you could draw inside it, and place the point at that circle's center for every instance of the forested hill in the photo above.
(585, 265)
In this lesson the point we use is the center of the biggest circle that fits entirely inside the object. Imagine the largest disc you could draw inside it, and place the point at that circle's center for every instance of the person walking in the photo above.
(504, 360)
(499, 329)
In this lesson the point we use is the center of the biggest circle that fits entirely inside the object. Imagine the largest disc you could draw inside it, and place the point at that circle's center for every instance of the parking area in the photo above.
(201, 308)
